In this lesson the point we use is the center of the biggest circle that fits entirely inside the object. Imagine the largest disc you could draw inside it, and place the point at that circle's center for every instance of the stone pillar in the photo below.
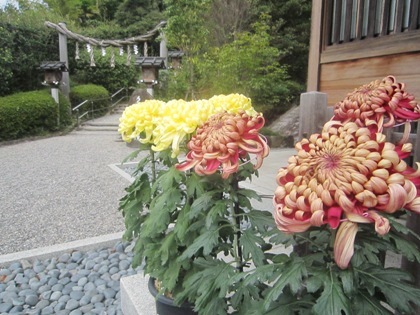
(313, 113)
(54, 94)
(65, 81)
(164, 49)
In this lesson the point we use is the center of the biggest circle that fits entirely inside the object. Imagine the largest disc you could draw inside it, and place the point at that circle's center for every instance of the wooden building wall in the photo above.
(354, 42)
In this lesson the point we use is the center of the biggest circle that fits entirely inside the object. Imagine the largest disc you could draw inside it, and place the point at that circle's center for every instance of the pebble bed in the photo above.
(73, 283)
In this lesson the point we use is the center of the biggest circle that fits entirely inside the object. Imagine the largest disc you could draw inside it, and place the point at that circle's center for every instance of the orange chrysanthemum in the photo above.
(349, 174)
(379, 100)
(222, 140)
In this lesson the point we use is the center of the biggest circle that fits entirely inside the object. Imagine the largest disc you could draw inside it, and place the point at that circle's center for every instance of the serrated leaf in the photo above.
(249, 241)
(332, 300)
(406, 247)
(194, 185)
(171, 275)
(207, 241)
(169, 179)
(182, 223)
(202, 204)
(209, 285)
(168, 245)
(313, 284)
(393, 283)
(365, 304)
(131, 156)
(292, 275)
(262, 220)
(217, 211)
(399, 227)
(249, 193)
(347, 279)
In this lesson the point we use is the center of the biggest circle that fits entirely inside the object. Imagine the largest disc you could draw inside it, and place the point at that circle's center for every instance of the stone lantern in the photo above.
(53, 72)
(150, 70)
(175, 58)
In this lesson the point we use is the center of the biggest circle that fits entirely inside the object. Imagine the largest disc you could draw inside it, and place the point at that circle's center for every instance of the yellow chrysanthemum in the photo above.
(168, 125)
(139, 120)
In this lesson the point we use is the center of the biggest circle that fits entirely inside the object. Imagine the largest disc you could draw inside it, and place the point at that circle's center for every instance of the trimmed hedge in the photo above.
(27, 114)
(97, 95)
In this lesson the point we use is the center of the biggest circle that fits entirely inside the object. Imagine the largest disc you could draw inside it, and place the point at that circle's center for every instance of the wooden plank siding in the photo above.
(340, 78)
(356, 41)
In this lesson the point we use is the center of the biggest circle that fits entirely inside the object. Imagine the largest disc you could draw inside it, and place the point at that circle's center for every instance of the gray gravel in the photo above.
(60, 189)
(72, 283)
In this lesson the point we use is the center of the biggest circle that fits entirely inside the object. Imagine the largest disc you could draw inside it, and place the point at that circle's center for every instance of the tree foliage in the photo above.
(256, 47)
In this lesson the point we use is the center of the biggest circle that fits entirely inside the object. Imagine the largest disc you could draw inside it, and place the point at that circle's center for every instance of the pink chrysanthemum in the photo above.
(384, 101)
(344, 176)
(222, 140)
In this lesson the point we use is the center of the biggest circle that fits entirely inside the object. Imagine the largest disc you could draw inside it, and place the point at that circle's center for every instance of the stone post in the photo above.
(164, 49)
(54, 94)
(65, 81)
(313, 113)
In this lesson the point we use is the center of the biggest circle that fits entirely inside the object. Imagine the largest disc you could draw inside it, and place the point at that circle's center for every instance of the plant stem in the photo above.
(152, 156)
(236, 220)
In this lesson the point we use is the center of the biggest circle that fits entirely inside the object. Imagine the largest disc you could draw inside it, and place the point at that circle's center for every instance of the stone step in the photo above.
(100, 124)
(99, 128)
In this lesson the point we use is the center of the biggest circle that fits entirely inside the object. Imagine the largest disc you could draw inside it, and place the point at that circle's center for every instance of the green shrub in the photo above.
(65, 111)
(27, 114)
(113, 79)
(97, 96)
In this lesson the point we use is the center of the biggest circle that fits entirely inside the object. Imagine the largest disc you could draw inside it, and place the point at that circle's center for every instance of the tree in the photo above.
(186, 30)
(139, 15)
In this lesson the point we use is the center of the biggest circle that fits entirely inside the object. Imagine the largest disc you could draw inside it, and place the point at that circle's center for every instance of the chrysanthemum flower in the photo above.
(346, 174)
(139, 120)
(384, 101)
(232, 103)
(222, 140)
(167, 125)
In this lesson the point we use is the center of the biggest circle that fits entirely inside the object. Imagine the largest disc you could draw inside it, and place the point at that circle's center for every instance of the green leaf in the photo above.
(393, 283)
(132, 156)
(209, 286)
(313, 284)
(405, 247)
(365, 304)
(292, 275)
(262, 220)
(249, 241)
(168, 245)
(249, 193)
(202, 204)
(217, 211)
(182, 223)
(400, 227)
(169, 179)
(207, 241)
(332, 300)
(348, 281)
(194, 185)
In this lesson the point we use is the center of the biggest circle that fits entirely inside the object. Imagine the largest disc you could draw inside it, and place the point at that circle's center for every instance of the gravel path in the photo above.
(60, 189)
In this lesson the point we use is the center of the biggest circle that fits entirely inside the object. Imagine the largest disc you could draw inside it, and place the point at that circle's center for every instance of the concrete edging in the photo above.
(58, 249)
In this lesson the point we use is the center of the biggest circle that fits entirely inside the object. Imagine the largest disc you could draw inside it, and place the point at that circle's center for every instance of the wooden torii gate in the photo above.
(65, 33)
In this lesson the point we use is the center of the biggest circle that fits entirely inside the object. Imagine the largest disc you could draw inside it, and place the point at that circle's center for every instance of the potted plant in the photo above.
(342, 202)
(195, 228)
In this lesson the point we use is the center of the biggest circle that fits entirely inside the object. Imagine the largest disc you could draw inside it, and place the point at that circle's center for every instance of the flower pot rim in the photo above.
(162, 298)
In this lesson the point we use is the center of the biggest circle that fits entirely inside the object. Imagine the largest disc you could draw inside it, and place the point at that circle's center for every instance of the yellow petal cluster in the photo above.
(166, 125)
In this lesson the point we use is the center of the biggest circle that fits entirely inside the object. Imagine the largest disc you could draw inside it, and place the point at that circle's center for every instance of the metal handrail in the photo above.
(118, 92)
(77, 107)
(110, 108)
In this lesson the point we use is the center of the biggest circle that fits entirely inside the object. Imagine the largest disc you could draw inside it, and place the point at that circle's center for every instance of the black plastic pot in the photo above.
(166, 306)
